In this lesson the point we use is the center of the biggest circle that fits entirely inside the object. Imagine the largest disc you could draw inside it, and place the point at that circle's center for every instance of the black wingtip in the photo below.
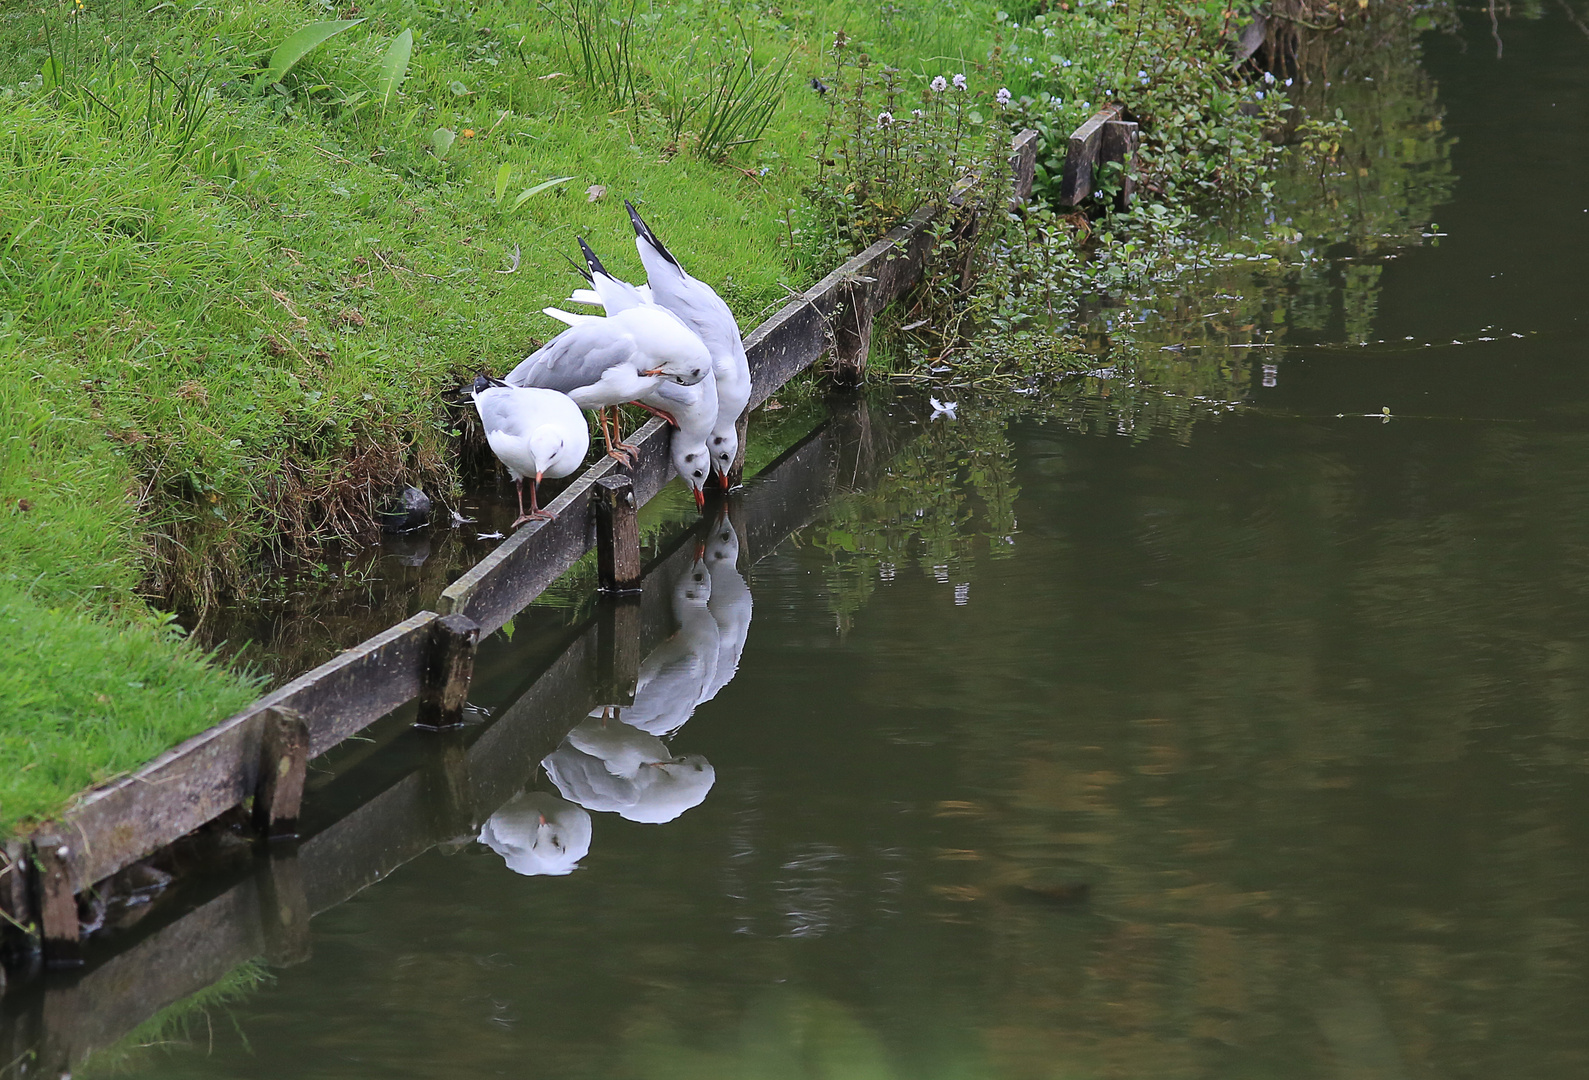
(583, 272)
(593, 263)
(643, 231)
(482, 382)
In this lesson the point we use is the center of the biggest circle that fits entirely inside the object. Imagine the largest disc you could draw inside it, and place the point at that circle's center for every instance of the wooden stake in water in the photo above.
(617, 534)
(283, 764)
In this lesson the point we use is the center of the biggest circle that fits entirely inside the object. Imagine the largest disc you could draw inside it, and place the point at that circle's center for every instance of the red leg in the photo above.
(654, 411)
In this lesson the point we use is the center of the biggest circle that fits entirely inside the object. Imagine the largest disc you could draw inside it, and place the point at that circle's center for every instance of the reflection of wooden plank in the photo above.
(95, 1011)
(217, 769)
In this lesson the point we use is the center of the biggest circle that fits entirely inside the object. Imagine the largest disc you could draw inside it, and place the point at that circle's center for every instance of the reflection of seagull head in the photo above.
(538, 833)
(730, 604)
(676, 672)
(611, 767)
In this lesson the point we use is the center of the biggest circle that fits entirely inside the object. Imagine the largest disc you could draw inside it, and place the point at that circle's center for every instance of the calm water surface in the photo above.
(1260, 752)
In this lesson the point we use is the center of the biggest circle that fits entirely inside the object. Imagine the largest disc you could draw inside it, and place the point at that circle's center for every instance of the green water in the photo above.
(1258, 747)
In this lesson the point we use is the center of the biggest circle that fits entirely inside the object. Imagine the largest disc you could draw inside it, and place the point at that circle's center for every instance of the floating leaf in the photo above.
(530, 193)
(504, 174)
(394, 67)
(301, 44)
(441, 141)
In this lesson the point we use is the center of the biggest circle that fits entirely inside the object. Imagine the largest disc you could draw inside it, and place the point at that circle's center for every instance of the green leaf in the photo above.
(530, 193)
(504, 174)
(300, 44)
(394, 67)
(441, 141)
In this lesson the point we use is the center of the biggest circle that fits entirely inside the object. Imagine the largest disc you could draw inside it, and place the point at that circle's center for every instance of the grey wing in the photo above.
(576, 358)
(498, 412)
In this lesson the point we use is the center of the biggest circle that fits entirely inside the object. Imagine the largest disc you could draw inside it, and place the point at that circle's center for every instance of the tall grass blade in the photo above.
(394, 67)
(530, 193)
(504, 174)
(303, 42)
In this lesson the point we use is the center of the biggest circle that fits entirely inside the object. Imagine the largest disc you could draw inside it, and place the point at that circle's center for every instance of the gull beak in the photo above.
(654, 371)
(538, 474)
(700, 498)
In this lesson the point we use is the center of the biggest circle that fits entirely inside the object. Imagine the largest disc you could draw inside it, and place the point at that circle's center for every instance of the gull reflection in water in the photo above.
(616, 761)
(537, 833)
(674, 678)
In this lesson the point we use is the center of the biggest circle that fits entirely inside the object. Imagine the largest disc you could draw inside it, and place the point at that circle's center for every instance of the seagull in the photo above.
(704, 312)
(729, 604)
(600, 361)
(534, 432)
(609, 767)
(691, 409)
(538, 833)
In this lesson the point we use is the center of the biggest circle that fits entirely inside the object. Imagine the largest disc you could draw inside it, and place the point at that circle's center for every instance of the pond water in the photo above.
(1260, 747)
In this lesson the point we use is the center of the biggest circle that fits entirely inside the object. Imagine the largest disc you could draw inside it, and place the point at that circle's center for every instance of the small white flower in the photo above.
(1269, 77)
(1288, 82)
(884, 119)
(1258, 94)
(1064, 63)
(960, 82)
(938, 84)
(1142, 74)
(1003, 96)
(916, 114)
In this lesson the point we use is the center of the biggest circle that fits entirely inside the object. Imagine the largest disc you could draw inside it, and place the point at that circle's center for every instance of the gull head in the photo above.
(693, 463)
(724, 445)
(556, 452)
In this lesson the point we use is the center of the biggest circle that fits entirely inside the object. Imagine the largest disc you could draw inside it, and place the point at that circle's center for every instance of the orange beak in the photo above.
(538, 474)
(700, 498)
(654, 371)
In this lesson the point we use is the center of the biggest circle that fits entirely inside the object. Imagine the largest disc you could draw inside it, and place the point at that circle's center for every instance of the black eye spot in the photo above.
(697, 472)
(723, 537)
(718, 441)
(698, 578)
(689, 457)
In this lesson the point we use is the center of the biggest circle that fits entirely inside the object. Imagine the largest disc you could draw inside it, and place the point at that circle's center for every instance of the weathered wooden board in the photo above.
(198, 780)
(1081, 158)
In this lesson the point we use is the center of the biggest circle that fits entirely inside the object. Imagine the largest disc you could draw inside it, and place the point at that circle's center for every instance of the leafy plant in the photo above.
(394, 68)
(301, 43)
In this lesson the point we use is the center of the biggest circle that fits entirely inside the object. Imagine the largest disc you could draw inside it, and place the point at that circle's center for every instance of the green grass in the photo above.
(230, 312)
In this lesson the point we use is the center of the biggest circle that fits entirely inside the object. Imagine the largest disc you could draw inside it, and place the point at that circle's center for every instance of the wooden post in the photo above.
(617, 534)
(1086, 143)
(283, 764)
(1023, 168)
(449, 667)
(283, 909)
(55, 901)
(16, 903)
(618, 650)
(1119, 143)
(852, 333)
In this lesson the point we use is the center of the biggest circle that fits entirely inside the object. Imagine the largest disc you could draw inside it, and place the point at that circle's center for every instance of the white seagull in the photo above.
(534, 432)
(704, 312)
(601, 362)
(538, 833)
(693, 410)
